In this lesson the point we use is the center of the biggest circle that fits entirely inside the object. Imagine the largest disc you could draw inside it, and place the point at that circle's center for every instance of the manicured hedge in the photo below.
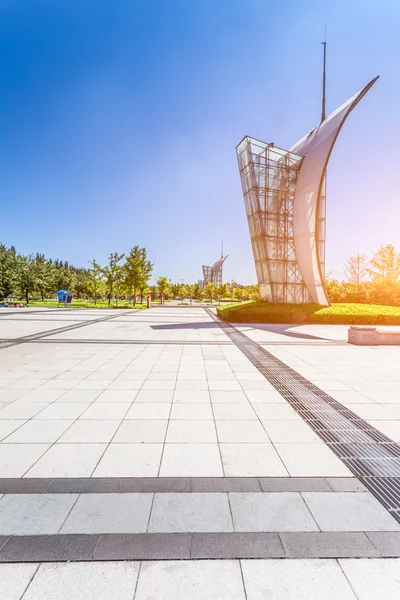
(337, 314)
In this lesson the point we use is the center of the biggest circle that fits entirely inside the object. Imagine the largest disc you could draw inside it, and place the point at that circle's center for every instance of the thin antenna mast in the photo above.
(323, 112)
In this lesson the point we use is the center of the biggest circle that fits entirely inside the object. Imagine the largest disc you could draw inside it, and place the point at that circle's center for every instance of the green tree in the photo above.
(9, 267)
(137, 271)
(163, 287)
(233, 287)
(356, 268)
(43, 274)
(210, 291)
(64, 277)
(118, 276)
(385, 265)
(182, 292)
(110, 273)
(26, 275)
(197, 292)
(222, 292)
(190, 290)
(95, 275)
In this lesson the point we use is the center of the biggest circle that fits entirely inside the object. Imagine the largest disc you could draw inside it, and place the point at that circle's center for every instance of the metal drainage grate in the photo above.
(367, 453)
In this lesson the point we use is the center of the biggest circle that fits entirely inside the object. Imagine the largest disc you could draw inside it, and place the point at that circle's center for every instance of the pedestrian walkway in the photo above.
(162, 434)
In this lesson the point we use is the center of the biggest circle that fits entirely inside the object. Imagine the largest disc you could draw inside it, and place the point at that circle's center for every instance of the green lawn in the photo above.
(85, 304)
(337, 314)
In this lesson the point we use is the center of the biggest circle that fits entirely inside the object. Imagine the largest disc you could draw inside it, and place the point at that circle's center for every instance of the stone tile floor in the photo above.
(165, 393)
(144, 409)
(347, 579)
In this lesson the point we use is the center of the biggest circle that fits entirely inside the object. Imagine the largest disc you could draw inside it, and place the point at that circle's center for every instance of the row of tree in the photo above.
(234, 291)
(373, 280)
(125, 276)
(37, 276)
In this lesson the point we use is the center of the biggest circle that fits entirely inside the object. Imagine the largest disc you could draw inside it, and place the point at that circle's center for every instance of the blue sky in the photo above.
(119, 122)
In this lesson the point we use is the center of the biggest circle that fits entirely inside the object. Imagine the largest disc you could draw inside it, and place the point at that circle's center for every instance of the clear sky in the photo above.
(119, 122)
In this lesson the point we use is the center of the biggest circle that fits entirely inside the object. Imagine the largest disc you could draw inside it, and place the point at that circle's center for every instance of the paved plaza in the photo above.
(137, 445)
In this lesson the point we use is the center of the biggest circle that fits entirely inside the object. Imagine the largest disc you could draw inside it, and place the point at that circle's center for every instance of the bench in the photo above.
(371, 336)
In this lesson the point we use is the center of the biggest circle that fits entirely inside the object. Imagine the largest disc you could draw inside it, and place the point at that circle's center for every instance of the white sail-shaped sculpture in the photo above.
(285, 204)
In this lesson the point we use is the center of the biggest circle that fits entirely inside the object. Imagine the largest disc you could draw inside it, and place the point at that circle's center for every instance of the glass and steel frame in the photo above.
(285, 200)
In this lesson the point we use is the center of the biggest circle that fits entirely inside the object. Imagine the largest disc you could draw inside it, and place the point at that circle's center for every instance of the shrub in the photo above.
(337, 314)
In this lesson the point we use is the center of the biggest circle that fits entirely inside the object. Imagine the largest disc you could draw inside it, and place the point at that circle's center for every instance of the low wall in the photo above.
(371, 336)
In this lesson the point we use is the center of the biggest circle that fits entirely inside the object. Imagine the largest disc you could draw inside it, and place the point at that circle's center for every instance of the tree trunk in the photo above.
(134, 296)
(42, 294)
(27, 296)
(109, 296)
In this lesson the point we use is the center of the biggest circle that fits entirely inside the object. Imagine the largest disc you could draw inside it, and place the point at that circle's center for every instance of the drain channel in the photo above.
(369, 454)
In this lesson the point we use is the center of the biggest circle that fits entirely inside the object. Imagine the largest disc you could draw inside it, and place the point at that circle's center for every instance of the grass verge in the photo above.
(86, 304)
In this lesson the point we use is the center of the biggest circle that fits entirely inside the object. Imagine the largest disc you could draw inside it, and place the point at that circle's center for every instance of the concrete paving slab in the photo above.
(109, 513)
(198, 580)
(174, 513)
(23, 514)
(349, 511)
(328, 545)
(295, 580)
(280, 511)
(15, 579)
(373, 579)
(92, 581)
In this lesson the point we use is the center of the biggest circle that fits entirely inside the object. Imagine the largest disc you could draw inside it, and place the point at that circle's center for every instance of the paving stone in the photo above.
(130, 460)
(290, 431)
(349, 511)
(190, 512)
(23, 486)
(236, 545)
(141, 431)
(386, 542)
(109, 513)
(327, 545)
(16, 459)
(144, 546)
(345, 484)
(48, 548)
(155, 484)
(197, 580)
(185, 411)
(68, 460)
(311, 460)
(3, 540)
(295, 580)
(224, 484)
(39, 432)
(90, 431)
(26, 514)
(191, 460)
(281, 511)
(247, 460)
(191, 431)
(83, 485)
(373, 579)
(241, 431)
(294, 484)
(84, 580)
(14, 579)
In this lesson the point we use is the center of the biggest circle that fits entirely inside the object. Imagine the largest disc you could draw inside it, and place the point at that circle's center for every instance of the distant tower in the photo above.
(214, 274)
